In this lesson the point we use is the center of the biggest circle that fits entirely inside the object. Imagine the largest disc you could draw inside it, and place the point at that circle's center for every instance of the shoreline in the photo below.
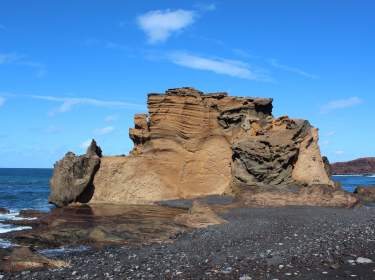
(261, 243)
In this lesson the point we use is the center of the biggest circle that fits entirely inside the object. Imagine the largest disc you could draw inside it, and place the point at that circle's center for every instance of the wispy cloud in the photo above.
(159, 25)
(6, 58)
(295, 70)
(111, 118)
(104, 130)
(228, 67)
(67, 103)
(339, 152)
(19, 59)
(52, 129)
(205, 7)
(2, 101)
(340, 104)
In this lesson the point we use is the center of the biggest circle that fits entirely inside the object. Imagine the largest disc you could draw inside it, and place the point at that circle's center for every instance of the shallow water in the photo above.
(350, 182)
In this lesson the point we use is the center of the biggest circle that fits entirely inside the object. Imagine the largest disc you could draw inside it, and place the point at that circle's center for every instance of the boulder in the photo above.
(22, 258)
(365, 193)
(73, 176)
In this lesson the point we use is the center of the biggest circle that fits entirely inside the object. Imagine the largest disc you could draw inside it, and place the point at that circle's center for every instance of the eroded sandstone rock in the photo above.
(192, 144)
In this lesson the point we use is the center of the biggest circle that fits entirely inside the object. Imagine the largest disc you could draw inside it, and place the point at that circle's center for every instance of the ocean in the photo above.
(29, 188)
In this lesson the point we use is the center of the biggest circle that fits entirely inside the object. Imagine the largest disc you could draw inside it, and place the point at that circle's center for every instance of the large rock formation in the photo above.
(354, 167)
(192, 144)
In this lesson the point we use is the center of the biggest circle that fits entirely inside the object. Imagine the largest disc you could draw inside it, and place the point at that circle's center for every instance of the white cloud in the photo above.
(159, 25)
(6, 58)
(341, 104)
(111, 118)
(18, 59)
(330, 133)
(276, 64)
(67, 103)
(85, 144)
(2, 101)
(339, 152)
(232, 68)
(104, 130)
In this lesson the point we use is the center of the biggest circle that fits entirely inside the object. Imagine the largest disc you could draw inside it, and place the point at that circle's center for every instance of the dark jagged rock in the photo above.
(3, 210)
(354, 167)
(94, 149)
(73, 176)
(327, 166)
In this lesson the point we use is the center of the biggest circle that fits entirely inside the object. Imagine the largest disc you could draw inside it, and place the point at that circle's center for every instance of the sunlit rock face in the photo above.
(193, 144)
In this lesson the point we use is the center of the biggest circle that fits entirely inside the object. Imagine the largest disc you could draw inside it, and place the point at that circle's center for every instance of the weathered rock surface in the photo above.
(22, 258)
(192, 144)
(73, 176)
(199, 216)
(365, 194)
(357, 166)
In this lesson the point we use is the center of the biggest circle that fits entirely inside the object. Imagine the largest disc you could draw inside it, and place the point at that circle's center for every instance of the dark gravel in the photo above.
(261, 243)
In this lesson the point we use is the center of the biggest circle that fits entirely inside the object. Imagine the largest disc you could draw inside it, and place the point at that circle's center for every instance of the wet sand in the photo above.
(256, 243)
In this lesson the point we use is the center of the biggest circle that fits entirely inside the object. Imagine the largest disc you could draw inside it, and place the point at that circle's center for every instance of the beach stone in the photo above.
(361, 260)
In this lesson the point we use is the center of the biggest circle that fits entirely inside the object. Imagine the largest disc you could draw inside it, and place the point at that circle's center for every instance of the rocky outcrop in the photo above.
(354, 167)
(73, 176)
(365, 193)
(192, 144)
(22, 258)
(199, 216)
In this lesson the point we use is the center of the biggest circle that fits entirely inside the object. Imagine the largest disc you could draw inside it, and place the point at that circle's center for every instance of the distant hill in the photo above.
(357, 166)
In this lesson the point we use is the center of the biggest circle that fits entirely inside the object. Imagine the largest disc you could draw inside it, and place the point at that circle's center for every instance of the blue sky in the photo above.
(72, 70)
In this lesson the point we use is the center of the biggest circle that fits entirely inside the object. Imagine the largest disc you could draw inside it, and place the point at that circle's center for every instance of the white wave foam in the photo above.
(9, 228)
(13, 215)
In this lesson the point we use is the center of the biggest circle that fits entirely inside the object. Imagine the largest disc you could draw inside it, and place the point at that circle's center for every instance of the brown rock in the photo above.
(199, 216)
(22, 258)
(365, 194)
(357, 166)
(317, 195)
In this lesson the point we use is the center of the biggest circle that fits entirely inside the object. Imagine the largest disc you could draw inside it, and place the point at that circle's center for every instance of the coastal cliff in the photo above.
(354, 167)
(192, 144)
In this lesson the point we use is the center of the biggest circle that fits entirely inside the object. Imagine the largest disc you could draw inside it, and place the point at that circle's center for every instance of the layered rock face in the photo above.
(192, 144)
(357, 166)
